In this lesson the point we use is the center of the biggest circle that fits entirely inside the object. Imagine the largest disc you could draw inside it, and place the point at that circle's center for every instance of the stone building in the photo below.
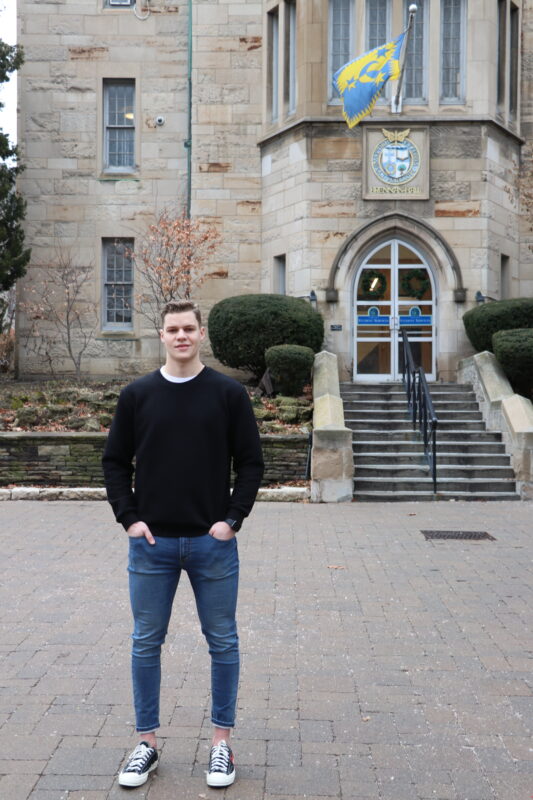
(401, 221)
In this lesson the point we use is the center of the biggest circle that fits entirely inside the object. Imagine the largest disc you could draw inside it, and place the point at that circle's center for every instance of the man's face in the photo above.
(182, 336)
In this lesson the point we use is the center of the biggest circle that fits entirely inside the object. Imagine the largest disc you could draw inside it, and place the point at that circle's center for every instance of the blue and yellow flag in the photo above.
(360, 82)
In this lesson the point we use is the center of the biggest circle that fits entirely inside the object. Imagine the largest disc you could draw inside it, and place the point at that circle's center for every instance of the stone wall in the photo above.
(51, 459)
(313, 207)
(285, 457)
(74, 459)
(287, 184)
(74, 202)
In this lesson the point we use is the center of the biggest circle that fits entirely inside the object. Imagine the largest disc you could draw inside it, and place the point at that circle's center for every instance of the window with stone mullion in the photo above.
(340, 36)
(415, 59)
(451, 49)
(378, 32)
(377, 23)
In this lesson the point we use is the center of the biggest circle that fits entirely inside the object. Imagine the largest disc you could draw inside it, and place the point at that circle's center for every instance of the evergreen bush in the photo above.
(514, 351)
(290, 366)
(482, 322)
(242, 328)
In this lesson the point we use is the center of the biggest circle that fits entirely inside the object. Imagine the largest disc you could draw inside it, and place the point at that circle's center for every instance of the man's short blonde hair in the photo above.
(178, 307)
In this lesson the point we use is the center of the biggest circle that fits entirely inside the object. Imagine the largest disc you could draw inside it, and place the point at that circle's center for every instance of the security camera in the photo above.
(160, 120)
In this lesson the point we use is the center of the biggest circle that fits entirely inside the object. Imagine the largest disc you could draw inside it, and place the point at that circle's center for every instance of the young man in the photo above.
(185, 425)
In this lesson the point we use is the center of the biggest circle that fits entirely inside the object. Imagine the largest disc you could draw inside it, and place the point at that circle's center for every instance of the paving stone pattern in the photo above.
(376, 664)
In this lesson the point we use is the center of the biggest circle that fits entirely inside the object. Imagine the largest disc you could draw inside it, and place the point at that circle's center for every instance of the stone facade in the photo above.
(75, 459)
(272, 163)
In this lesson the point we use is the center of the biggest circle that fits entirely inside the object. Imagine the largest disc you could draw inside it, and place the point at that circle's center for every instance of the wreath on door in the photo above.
(422, 279)
(379, 290)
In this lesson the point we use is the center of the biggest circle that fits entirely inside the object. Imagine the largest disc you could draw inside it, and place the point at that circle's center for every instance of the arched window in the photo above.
(394, 288)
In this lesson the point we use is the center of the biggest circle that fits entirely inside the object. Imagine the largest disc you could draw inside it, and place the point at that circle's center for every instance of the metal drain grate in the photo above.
(469, 535)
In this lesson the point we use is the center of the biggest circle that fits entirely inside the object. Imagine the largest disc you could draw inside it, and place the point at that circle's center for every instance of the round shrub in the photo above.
(482, 322)
(514, 351)
(290, 367)
(242, 328)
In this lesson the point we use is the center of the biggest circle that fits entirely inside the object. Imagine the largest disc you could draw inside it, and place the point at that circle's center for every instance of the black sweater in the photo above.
(184, 438)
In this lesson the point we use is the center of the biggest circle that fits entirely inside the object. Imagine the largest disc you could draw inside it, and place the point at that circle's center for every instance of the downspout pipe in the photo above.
(188, 141)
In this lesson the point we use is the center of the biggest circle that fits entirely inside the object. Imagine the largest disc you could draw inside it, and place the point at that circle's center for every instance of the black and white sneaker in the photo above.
(221, 770)
(140, 763)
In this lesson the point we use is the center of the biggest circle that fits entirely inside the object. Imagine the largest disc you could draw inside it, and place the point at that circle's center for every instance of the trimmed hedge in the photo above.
(242, 328)
(514, 351)
(290, 366)
(482, 322)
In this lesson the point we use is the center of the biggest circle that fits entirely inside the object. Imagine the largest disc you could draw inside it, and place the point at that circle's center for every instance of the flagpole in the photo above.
(412, 11)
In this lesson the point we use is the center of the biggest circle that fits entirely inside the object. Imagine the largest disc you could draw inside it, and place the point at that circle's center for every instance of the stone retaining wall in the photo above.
(74, 459)
(332, 456)
(504, 411)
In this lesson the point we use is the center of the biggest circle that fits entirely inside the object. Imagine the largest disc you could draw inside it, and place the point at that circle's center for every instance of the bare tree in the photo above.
(171, 261)
(62, 318)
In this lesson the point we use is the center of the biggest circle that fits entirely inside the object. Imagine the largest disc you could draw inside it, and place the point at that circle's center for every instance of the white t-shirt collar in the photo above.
(173, 378)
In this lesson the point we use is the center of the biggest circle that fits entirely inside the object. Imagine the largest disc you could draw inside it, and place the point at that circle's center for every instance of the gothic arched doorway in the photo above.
(394, 287)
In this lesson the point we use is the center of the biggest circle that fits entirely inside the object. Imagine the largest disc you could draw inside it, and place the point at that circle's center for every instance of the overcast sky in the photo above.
(8, 92)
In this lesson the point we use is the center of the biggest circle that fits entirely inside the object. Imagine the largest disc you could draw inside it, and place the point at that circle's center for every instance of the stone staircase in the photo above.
(389, 455)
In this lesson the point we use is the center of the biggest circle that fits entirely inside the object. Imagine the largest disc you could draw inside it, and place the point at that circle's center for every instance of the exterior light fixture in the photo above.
(313, 299)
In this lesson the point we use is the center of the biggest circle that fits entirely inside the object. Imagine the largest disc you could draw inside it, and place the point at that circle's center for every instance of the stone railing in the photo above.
(331, 455)
(505, 411)
(74, 459)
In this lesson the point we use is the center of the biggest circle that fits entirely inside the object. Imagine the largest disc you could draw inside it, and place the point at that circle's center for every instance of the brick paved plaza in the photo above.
(376, 664)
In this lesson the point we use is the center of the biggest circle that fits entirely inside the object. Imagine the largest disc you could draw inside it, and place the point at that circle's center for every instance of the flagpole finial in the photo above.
(413, 8)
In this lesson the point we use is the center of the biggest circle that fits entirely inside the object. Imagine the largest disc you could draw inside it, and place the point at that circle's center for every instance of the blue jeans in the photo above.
(154, 572)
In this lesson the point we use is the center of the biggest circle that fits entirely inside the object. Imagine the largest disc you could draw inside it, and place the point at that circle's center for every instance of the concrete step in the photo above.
(421, 496)
(406, 484)
(406, 434)
(383, 424)
(415, 445)
(399, 386)
(379, 404)
(445, 472)
(389, 459)
(372, 414)
(362, 459)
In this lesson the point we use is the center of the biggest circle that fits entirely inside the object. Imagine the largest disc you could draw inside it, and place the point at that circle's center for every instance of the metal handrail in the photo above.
(420, 405)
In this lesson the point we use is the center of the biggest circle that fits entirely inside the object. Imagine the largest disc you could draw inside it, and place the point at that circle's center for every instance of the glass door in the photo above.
(394, 289)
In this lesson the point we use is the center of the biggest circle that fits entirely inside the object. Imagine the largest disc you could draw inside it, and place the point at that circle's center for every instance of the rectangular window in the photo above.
(289, 88)
(452, 51)
(377, 23)
(118, 283)
(502, 50)
(280, 274)
(415, 90)
(378, 32)
(112, 3)
(340, 38)
(119, 125)
(513, 60)
(273, 64)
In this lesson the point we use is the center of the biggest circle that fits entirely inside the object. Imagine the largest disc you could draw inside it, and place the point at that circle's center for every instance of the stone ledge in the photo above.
(281, 494)
(331, 454)
(53, 493)
(504, 411)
